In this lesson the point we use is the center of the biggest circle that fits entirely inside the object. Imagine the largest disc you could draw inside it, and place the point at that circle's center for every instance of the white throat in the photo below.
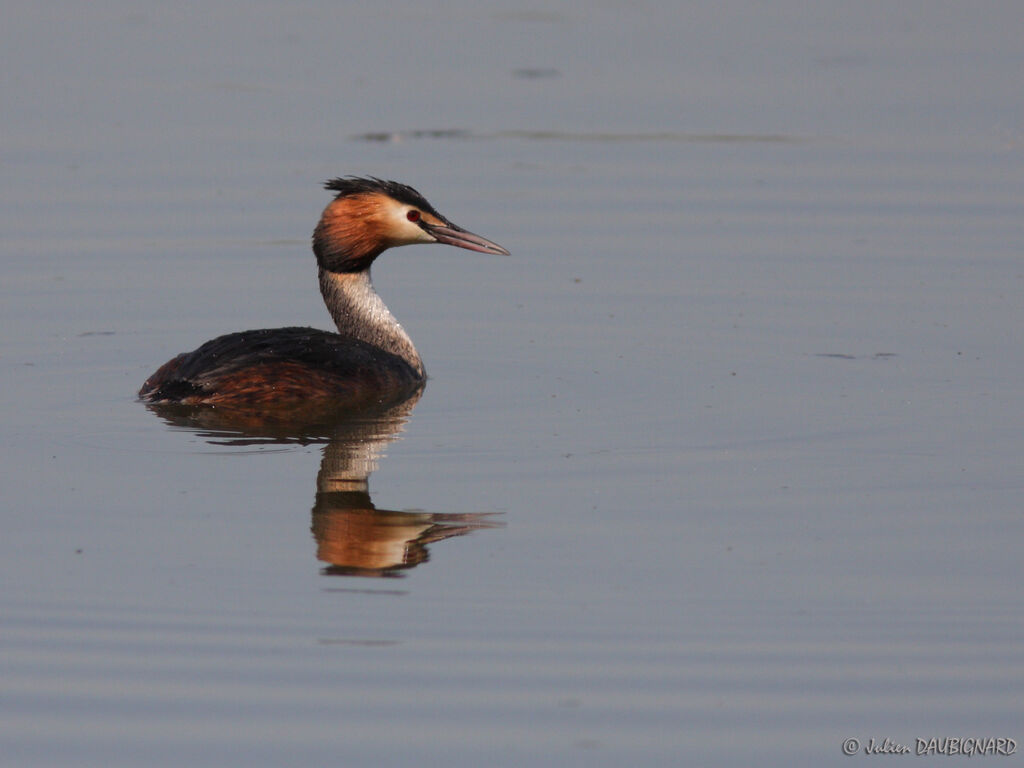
(359, 312)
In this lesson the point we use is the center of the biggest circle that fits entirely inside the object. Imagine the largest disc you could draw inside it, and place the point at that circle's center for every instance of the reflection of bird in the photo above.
(352, 536)
(370, 359)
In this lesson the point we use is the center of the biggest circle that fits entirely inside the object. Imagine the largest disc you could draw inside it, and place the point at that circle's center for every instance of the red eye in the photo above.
(413, 215)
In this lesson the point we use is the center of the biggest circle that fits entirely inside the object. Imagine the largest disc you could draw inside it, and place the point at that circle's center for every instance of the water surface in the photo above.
(722, 465)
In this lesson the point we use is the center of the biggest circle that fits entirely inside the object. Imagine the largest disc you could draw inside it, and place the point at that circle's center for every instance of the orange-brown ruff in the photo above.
(370, 359)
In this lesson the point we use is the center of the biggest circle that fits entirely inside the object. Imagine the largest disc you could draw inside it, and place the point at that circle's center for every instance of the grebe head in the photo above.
(370, 215)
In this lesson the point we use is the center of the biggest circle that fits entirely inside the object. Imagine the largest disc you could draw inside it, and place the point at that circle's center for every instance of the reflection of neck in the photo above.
(352, 453)
(360, 313)
(347, 464)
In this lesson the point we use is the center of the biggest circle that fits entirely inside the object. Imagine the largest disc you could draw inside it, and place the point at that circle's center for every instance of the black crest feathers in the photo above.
(358, 185)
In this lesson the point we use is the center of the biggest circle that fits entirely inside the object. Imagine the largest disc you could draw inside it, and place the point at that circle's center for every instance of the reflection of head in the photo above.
(358, 540)
(351, 535)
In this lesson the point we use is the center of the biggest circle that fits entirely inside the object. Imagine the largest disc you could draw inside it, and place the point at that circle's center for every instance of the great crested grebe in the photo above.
(371, 359)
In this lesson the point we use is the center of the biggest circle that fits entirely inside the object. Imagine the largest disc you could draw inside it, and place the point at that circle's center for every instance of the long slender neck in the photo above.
(359, 312)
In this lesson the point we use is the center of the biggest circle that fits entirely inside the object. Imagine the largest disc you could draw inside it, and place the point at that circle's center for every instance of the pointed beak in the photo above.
(457, 236)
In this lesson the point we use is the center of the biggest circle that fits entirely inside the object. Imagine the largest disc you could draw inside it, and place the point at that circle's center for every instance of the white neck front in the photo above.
(359, 312)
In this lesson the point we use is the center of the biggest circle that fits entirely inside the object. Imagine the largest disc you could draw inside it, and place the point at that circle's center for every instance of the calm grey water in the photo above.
(722, 466)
